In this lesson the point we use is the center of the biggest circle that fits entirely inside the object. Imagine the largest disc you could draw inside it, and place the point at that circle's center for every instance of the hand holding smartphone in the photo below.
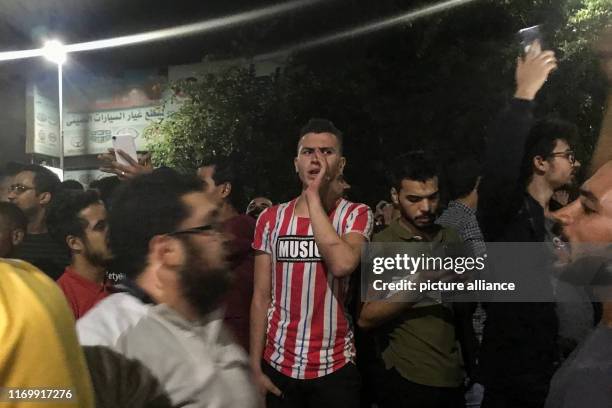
(528, 36)
(128, 146)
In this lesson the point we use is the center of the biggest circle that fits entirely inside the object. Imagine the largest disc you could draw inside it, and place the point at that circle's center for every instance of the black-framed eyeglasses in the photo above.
(194, 230)
(569, 155)
(19, 188)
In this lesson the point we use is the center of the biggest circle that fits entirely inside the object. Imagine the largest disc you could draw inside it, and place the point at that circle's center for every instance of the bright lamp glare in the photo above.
(54, 51)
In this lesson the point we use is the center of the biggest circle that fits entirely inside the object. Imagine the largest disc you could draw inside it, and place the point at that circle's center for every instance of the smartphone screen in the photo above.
(527, 36)
(127, 144)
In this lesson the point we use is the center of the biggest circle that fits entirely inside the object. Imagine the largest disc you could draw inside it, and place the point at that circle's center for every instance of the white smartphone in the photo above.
(127, 144)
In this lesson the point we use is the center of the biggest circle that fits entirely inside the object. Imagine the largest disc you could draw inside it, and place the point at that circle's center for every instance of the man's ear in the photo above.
(17, 237)
(226, 190)
(44, 198)
(295, 162)
(342, 164)
(165, 251)
(394, 196)
(75, 243)
(540, 164)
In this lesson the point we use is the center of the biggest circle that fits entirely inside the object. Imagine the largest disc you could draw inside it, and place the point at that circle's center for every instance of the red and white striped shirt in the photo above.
(309, 332)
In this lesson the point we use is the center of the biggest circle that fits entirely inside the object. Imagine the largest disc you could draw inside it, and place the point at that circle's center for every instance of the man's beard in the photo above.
(423, 223)
(96, 258)
(202, 286)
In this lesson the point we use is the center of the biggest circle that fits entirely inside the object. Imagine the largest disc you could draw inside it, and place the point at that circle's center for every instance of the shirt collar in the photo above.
(406, 233)
(130, 287)
(71, 273)
(458, 205)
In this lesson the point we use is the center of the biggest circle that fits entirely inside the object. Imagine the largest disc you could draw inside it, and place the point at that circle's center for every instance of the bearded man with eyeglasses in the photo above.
(32, 190)
(165, 236)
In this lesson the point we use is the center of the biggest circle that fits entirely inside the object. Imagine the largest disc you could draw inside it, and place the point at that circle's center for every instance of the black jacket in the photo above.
(519, 349)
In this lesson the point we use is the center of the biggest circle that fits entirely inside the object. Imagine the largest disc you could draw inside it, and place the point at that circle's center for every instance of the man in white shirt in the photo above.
(164, 238)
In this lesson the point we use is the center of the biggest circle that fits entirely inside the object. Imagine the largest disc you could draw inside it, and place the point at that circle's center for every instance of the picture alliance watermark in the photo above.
(502, 272)
(411, 265)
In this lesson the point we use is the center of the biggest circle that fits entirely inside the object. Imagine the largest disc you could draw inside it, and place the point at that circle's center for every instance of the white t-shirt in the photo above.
(110, 318)
(198, 363)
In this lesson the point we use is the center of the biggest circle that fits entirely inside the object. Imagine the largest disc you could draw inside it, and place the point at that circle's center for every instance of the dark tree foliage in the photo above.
(434, 84)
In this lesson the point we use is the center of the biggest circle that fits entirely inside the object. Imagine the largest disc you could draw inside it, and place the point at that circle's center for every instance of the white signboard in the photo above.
(91, 133)
(43, 133)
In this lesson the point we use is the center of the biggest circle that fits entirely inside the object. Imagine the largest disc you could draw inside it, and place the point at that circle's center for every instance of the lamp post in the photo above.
(54, 51)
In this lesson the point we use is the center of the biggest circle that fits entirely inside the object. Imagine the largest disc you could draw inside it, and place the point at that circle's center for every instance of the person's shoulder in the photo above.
(279, 207)
(145, 338)
(241, 223)
(354, 205)
(386, 235)
(241, 219)
(150, 323)
(16, 270)
(449, 234)
(271, 213)
(153, 331)
(63, 279)
(120, 300)
(110, 317)
(116, 308)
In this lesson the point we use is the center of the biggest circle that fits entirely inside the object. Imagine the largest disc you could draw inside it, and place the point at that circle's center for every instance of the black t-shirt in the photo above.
(43, 252)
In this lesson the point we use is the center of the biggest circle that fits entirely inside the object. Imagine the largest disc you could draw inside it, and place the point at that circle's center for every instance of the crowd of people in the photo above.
(156, 288)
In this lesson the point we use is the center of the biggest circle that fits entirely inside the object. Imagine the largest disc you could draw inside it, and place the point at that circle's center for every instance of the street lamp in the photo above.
(54, 51)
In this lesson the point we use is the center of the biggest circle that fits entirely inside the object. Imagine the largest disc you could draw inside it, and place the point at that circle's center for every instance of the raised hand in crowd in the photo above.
(125, 171)
(532, 71)
(562, 197)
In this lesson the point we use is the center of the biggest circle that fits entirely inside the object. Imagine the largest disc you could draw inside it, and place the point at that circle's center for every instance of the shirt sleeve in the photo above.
(499, 194)
(261, 240)
(361, 221)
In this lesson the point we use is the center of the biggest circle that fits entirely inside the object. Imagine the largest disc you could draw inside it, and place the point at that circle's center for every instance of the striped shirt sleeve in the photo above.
(361, 221)
(261, 240)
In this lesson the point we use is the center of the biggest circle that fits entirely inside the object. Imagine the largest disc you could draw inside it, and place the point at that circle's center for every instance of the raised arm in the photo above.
(506, 143)
(341, 253)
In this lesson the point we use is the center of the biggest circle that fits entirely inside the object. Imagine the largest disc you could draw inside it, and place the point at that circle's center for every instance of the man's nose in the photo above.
(425, 206)
(577, 163)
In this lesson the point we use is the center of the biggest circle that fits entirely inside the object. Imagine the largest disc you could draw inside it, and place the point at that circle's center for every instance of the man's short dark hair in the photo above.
(227, 170)
(106, 186)
(318, 125)
(63, 216)
(10, 169)
(45, 181)
(542, 139)
(461, 176)
(13, 217)
(141, 208)
(416, 166)
(71, 185)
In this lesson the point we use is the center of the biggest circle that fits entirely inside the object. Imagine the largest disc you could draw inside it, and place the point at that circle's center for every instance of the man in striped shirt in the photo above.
(306, 251)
